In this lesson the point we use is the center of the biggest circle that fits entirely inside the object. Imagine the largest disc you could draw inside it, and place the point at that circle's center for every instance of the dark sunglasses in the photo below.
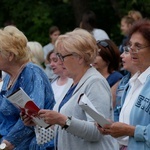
(102, 43)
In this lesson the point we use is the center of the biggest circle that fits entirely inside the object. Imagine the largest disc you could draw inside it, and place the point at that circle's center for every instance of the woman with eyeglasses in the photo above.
(74, 129)
(132, 69)
(135, 113)
(60, 86)
(107, 62)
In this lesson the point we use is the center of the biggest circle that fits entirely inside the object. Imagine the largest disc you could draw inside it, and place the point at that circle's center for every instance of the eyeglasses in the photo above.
(136, 50)
(126, 49)
(102, 43)
(62, 57)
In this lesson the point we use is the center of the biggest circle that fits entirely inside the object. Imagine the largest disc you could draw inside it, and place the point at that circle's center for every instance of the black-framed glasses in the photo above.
(61, 57)
(102, 43)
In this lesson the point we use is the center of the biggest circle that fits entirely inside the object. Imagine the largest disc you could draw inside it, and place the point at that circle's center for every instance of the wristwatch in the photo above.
(67, 123)
(3, 146)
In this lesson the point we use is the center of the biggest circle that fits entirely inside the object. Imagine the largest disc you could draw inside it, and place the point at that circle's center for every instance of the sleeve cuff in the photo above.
(140, 133)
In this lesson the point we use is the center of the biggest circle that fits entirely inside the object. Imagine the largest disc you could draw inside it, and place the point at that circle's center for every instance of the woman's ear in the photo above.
(11, 56)
(80, 59)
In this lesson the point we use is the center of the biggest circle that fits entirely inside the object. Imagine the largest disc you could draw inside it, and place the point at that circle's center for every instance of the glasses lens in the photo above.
(126, 49)
(59, 56)
(103, 43)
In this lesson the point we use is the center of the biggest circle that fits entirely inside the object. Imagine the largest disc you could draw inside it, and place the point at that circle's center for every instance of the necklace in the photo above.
(11, 82)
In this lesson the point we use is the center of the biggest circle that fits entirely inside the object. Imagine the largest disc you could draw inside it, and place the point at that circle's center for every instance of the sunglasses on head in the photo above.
(102, 43)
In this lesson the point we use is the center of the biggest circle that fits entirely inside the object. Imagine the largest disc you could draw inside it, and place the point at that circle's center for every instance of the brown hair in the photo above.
(110, 54)
(53, 29)
(49, 54)
(143, 27)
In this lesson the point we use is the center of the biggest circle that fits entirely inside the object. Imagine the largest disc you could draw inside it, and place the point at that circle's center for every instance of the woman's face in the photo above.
(56, 65)
(4, 63)
(55, 35)
(70, 63)
(140, 51)
(124, 27)
(99, 63)
(127, 61)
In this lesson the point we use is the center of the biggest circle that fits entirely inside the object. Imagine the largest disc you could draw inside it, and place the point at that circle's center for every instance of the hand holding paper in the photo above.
(21, 100)
(89, 108)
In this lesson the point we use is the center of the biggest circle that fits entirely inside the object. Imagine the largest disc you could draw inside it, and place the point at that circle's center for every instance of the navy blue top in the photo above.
(113, 78)
(67, 96)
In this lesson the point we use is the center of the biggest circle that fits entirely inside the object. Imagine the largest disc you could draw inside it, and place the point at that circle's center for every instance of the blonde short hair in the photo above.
(80, 42)
(136, 15)
(14, 41)
(37, 54)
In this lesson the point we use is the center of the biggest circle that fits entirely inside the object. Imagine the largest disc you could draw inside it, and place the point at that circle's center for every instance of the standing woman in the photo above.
(132, 69)
(107, 62)
(54, 32)
(61, 83)
(14, 60)
(74, 130)
(135, 113)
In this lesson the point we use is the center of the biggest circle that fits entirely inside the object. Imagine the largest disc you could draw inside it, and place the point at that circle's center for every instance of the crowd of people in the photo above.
(83, 61)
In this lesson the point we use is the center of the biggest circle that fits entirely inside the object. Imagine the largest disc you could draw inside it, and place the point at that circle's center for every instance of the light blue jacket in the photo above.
(82, 134)
(140, 118)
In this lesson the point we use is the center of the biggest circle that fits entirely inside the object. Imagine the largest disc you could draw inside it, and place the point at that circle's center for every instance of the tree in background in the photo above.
(34, 17)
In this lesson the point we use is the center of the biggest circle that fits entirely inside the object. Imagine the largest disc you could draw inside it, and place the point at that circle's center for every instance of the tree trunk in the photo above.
(116, 7)
(79, 7)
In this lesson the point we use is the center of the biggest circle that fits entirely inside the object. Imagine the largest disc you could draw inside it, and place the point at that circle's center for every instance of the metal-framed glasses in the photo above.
(61, 57)
(126, 49)
(135, 50)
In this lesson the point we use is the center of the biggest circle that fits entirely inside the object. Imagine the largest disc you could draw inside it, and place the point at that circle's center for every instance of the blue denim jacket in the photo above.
(119, 93)
(36, 84)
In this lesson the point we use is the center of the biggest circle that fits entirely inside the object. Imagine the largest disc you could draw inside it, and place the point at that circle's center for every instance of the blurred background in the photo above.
(35, 17)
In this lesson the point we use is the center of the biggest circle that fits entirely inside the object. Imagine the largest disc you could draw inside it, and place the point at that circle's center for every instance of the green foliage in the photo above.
(34, 17)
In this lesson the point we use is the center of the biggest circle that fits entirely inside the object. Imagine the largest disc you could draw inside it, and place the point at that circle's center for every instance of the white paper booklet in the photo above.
(21, 100)
(89, 108)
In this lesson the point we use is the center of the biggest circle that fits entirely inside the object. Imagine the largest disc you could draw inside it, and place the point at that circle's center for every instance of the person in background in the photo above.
(37, 54)
(134, 121)
(127, 65)
(54, 32)
(107, 62)
(136, 15)
(77, 50)
(61, 83)
(20, 72)
(126, 24)
(88, 23)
